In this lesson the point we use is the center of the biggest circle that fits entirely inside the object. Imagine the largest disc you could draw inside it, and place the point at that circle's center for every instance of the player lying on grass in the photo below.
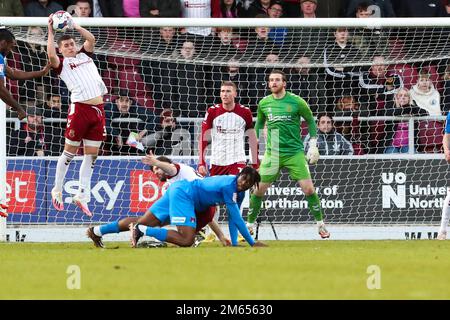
(183, 198)
(169, 171)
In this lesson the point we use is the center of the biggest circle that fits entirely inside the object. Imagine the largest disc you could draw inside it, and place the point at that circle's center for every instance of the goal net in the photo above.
(383, 83)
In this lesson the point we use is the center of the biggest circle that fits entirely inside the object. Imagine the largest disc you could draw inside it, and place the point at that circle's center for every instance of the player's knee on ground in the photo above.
(186, 241)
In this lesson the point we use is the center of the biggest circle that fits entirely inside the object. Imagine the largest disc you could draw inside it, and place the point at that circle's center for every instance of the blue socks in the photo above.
(158, 233)
(112, 227)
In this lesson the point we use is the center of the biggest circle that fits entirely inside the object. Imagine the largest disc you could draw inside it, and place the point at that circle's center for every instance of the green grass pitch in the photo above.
(417, 269)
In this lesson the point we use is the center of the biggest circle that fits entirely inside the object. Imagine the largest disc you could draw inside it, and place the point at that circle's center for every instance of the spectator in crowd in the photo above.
(53, 106)
(30, 139)
(54, 130)
(259, 44)
(188, 87)
(339, 79)
(419, 8)
(11, 8)
(158, 74)
(33, 58)
(131, 8)
(279, 34)
(160, 8)
(42, 8)
(425, 95)
(376, 8)
(223, 47)
(376, 85)
(83, 9)
(251, 9)
(308, 8)
(446, 91)
(124, 116)
(329, 141)
(397, 133)
(308, 84)
(164, 43)
(352, 130)
(169, 138)
(225, 9)
(368, 41)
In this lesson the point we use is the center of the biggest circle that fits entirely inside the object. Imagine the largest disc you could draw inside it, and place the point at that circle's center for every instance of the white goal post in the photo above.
(370, 194)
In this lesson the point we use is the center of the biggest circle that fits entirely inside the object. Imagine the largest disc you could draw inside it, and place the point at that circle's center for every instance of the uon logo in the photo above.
(21, 191)
(389, 194)
(145, 190)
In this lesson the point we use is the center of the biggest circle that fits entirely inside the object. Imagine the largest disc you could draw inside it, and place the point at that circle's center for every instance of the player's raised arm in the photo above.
(51, 50)
(169, 168)
(89, 38)
(5, 95)
(16, 74)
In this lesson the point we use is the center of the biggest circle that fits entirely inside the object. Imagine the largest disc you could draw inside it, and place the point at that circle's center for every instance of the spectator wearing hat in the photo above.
(124, 116)
(30, 139)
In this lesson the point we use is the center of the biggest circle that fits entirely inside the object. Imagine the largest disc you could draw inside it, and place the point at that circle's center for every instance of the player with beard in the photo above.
(282, 112)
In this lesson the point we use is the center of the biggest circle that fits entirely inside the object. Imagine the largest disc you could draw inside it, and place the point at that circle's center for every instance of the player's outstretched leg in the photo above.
(445, 218)
(86, 170)
(120, 226)
(314, 206)
(61, 170)
(255, 205)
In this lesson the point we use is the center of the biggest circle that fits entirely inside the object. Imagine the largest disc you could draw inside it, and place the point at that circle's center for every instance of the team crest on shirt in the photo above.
(71, 133)
(289, 108)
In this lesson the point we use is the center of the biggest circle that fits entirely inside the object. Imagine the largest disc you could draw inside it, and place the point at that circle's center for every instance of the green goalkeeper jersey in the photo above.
(283, 118)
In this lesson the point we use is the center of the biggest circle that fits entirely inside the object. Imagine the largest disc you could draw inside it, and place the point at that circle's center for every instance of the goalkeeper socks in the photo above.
(314, 206)
(158, 233)
(445, 214)
(61, 169)
(86, 169)
(112, 227)
(255, 208)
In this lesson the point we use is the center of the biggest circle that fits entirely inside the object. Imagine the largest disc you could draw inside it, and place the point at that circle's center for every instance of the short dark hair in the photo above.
(51, 94)
(276, 71)
(6, 35)
(164, 159)
(252, 174)
(64, 38)
(324, 114)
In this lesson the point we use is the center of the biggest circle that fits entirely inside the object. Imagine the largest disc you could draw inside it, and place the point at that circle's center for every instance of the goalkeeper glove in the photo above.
(313, 152)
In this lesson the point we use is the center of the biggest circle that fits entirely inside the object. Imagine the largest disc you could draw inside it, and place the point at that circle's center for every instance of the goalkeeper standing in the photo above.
(281, 111)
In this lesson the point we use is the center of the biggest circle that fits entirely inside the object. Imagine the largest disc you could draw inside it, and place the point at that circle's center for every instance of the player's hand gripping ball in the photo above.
(62, 21)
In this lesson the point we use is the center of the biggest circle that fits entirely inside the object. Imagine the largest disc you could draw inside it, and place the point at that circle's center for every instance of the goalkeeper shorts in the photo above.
(272, 164)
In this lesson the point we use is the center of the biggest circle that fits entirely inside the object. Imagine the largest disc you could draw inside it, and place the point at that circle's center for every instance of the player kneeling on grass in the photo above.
(183, 198)
(170, 172)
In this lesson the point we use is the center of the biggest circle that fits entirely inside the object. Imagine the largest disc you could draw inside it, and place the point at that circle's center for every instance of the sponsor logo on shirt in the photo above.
(178, 219)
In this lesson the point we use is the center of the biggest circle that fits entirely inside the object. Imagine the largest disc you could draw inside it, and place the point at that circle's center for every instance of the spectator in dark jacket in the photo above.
(42, 8)
(160, 8)
(30, 139)
(11, 8)
(329, 141)
(124, 116)
(420, 8)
